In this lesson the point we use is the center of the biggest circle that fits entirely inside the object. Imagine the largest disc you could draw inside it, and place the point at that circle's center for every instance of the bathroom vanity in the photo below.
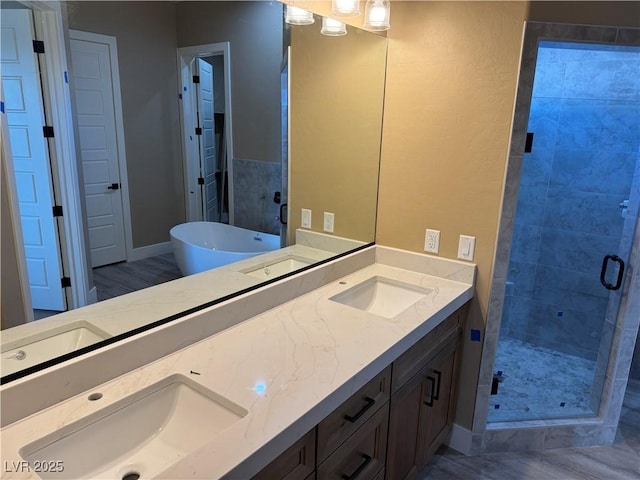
(348, 369)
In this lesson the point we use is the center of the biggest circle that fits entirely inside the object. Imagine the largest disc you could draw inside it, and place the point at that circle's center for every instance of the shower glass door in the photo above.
(572, 233)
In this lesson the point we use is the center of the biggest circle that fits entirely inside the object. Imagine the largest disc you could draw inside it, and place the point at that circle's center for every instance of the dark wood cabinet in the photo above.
(362, 456)
(298, 462)
(423, 406)
(348, 417)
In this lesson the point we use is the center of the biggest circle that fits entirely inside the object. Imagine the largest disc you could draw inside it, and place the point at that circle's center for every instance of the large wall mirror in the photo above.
(192, 122)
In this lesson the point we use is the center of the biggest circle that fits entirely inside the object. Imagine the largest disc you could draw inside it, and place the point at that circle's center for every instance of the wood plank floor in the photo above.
(126, 277)
(620, 461)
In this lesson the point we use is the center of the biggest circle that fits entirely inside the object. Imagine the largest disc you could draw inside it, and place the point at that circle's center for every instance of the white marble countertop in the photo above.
(310, 354)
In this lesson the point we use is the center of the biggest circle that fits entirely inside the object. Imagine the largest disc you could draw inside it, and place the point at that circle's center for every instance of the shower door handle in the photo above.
(283, 214)
(603, 272)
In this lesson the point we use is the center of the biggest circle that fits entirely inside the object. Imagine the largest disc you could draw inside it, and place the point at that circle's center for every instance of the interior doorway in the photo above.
(206, 121)
(29, 136)
(96, 87)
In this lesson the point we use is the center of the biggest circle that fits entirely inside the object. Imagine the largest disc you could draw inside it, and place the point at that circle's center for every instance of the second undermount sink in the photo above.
(382, 296)
(42, 346)
(138, 436)
(277, 267)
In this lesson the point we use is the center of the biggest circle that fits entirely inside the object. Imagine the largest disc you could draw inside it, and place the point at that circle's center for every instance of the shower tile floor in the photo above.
(539, 383)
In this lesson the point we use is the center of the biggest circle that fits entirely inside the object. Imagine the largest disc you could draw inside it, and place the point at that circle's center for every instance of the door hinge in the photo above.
(198, 131)
(65, 281)
(200, 181)
(528, 146)
(47, 131)
(57, 210)
(1, 107)
(196, 79)
(38, 46)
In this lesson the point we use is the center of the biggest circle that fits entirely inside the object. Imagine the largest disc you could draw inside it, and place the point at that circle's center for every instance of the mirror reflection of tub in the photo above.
(200, 246)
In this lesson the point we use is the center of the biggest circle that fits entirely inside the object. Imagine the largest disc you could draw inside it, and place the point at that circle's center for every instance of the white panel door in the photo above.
(25, 116)
(208, 161)
(93, 89)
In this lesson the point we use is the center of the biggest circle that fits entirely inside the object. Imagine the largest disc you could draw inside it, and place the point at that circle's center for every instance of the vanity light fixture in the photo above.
(345, 8)
(376, 15)
(298, 16)
(332, 27)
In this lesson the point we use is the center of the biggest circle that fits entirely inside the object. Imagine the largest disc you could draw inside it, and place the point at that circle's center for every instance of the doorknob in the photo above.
(114, 186)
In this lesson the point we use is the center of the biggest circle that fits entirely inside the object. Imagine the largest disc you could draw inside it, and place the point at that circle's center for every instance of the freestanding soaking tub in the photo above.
(200, 246)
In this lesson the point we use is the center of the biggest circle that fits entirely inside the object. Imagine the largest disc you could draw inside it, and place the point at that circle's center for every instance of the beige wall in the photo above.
(451, 81)
(337, 87)
(254, 30)
(146, 40)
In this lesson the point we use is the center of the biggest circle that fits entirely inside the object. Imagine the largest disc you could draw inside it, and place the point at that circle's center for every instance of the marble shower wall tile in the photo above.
(255, 184)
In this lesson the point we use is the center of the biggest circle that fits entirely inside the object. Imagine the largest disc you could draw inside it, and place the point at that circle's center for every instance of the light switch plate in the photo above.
(466, 247)
(328, 222)
(432, 241)
(306, 218)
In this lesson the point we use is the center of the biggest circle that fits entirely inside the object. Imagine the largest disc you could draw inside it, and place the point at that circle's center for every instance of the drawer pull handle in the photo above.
(439, 375)
(366, 459)
(370, 402)
(432, 390)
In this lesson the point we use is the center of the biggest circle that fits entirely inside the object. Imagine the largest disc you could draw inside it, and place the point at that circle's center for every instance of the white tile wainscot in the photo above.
(310, 353)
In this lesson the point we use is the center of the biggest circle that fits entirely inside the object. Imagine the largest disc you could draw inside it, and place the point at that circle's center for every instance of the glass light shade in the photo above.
(333, 28)
(345, 8)
(298, 16)
(376, 15)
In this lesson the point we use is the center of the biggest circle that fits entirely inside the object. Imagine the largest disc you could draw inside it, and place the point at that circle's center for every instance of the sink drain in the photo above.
(131, 476)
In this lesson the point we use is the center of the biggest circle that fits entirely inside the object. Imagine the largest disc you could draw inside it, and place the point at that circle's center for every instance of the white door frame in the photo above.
(190, 151)
(119, 120)
(57, 97)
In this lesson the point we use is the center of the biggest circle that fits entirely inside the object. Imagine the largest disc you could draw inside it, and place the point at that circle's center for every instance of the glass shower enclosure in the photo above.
(572, 234)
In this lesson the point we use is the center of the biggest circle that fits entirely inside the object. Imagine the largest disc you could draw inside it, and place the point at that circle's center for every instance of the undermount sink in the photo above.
(382, 296)
(42, 346)
(138, 436)
(277, 267)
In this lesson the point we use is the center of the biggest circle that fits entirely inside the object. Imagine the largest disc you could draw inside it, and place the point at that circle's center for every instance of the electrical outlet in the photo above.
(432, 241)
(466, 247)
(306, 218)
(328, 222)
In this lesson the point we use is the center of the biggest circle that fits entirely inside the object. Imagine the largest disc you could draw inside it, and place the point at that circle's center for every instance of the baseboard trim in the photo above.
(460, 439)
(154, 250)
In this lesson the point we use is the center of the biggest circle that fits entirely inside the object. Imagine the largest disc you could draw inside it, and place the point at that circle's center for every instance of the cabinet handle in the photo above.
(370, 402)
(366, 459)
(429, 402)
(437, 394)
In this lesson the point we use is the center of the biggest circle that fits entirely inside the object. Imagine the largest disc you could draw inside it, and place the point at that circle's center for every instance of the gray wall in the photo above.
(147, 41)
(254, 30)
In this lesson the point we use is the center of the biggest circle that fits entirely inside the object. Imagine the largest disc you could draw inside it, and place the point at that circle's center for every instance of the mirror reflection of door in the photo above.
(93, 87)
(31, 162)
(207, 141)
(284, 116)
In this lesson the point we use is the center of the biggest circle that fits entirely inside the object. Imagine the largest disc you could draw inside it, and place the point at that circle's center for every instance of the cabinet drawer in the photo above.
(414, 359)
(296, 463)
(362, 456)
(346, 419)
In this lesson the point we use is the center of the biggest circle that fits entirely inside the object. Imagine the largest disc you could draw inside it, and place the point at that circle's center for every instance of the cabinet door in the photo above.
(348, 417)
(362, 456)
(296, 463)
(440, 399)
(407, 424)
